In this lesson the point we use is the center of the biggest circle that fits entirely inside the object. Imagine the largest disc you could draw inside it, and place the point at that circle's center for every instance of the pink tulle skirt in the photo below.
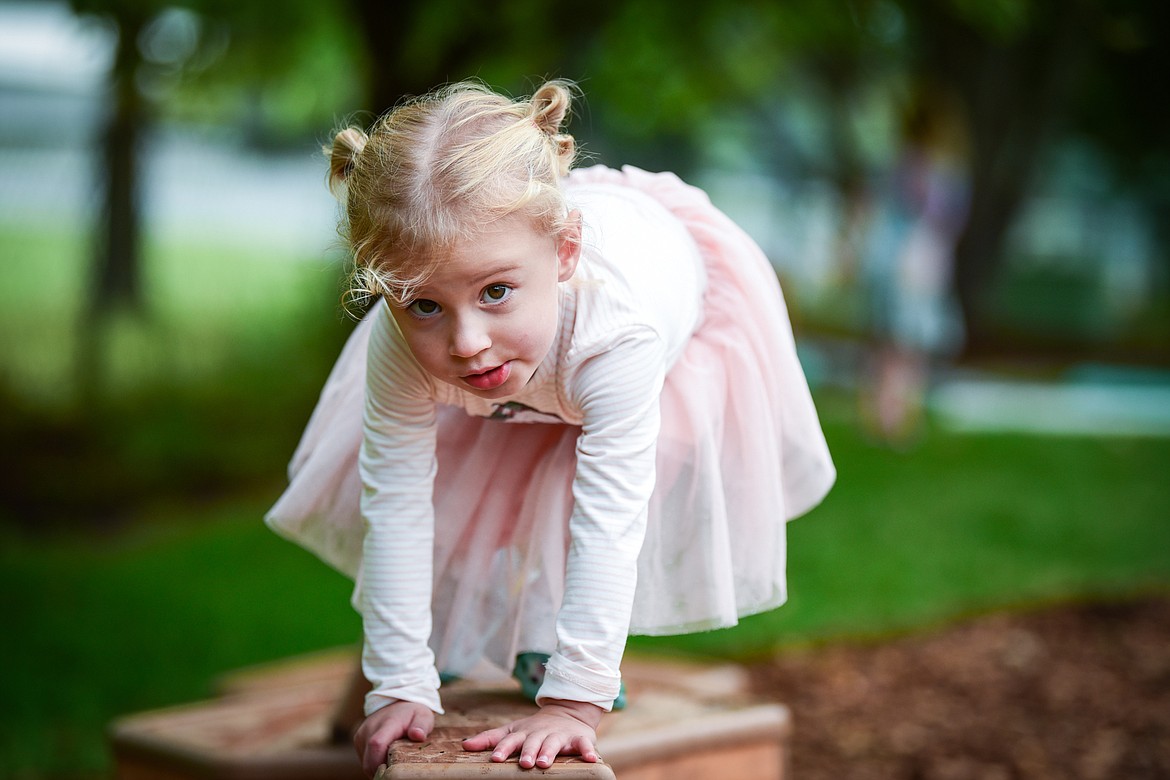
(740, 452)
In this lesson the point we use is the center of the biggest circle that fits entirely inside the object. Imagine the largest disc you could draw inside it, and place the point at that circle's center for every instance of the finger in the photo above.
(583, 746)
(549, 749)
(530, 750)
(421, 725)
(485, 739)
(508, 746)
(377, 750)
(361, 744)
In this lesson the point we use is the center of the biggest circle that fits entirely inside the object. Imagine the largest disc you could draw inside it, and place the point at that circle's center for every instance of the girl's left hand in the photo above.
(561, 726)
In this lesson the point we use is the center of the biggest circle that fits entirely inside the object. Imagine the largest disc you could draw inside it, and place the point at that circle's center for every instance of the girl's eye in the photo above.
(423, 308)
(496, 293)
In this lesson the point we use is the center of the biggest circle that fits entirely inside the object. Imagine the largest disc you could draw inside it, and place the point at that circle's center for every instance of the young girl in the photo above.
(574, 413)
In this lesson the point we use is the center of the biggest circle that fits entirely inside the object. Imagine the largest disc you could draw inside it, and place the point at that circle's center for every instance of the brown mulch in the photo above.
(1077, 691)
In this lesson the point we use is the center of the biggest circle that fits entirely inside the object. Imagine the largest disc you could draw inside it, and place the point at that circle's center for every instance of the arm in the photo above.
(397, 465)
(618, 392)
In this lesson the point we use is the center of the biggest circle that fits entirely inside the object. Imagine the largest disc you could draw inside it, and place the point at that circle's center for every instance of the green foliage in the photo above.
(1051, 302)
(679, 71)
(279, 72)
(1000, 20)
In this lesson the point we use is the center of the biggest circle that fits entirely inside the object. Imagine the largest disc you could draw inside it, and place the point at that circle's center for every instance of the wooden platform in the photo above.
(684, 722)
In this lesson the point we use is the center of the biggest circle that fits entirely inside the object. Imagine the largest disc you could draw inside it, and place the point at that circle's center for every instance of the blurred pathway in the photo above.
(1090, 400)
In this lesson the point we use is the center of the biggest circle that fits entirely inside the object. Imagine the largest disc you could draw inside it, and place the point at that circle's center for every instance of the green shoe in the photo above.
(620, 702)
(529, 670)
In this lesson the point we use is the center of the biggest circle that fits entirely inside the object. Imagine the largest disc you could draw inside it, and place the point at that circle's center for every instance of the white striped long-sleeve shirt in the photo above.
(625, 317)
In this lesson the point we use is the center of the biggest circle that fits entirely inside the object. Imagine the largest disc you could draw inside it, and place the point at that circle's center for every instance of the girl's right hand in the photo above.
(394, 721)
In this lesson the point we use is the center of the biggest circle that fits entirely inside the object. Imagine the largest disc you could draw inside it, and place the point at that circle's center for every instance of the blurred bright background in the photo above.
(170, 276)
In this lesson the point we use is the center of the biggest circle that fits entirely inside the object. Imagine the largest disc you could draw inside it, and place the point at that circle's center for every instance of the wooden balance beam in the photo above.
(684, 722)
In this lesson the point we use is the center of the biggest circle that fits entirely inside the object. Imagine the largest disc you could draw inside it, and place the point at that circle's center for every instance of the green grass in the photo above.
(203, 404)
(100, 627)
(210, 307)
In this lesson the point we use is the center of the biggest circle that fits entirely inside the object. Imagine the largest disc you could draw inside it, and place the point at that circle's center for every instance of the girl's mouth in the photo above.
(490, 379)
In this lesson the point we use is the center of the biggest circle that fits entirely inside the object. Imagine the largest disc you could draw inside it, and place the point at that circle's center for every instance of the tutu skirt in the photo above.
(740, 452)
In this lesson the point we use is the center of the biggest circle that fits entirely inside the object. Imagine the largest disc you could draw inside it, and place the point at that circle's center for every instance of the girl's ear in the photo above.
(569, 246)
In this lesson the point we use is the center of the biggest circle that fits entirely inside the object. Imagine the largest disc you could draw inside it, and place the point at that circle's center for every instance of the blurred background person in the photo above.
(917, 214)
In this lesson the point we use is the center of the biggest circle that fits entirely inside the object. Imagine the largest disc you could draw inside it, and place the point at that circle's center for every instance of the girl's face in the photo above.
(487, 316)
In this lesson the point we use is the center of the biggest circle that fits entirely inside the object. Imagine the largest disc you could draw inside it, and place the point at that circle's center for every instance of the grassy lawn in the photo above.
(189, 584)
(211, 307)
(97, 627)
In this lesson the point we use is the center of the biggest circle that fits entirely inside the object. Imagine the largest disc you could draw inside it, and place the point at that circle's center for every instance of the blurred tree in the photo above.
(1015, 65)
(1118, 109)
(116, 268)
(661, 81)
(656, 77)
(199, 60)
(1115, 106)
(1031, 73)
(413, 45)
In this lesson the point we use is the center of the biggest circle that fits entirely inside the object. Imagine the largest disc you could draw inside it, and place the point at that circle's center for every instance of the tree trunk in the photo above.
(384, 27)
(117, 267)
(116, 281)
(1015, 93)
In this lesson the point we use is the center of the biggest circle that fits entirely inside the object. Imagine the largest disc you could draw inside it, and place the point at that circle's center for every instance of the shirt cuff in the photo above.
(426, 696)
(564, 679)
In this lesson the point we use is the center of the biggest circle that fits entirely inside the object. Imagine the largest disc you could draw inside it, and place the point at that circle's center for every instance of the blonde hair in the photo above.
(436, 169)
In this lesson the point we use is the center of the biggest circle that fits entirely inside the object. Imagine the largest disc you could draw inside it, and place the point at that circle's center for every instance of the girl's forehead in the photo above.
(511, 235)
(492, 251)
(515, 225)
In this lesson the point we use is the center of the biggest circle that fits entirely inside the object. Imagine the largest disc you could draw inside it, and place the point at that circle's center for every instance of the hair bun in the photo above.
(347, 145)
(550, 106)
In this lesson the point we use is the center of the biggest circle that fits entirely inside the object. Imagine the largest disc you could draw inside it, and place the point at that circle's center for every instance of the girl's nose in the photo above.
(469, 337)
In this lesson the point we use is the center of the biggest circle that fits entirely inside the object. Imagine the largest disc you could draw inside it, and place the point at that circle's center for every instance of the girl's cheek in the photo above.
(423, 349)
